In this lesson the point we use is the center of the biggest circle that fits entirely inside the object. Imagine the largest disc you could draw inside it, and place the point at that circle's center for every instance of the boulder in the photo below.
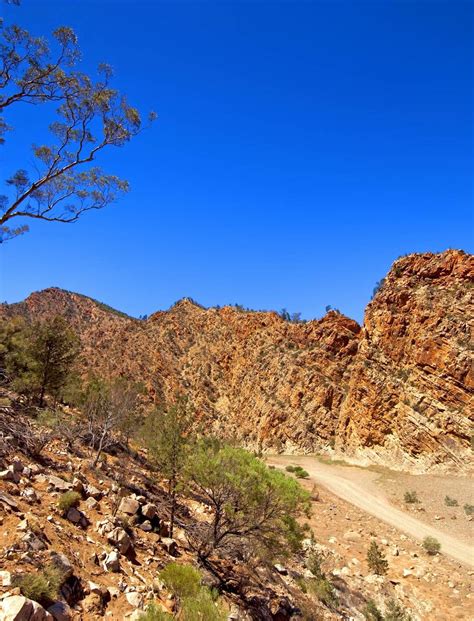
(60, 611)
(59, 484)
(146, 526)
(352, 535)
(30, 495)
(91, 503)
(149, 511)
(74, 515)
(135, 599)
(120, 539)
(17, 466)
(170, 546)
(19, 608)
(62, 564)
(93, 492)
(104, 526)
(78, 485)
(129, 506)
(10, 475)
(92, 604)
(5, 578)
(112, 561)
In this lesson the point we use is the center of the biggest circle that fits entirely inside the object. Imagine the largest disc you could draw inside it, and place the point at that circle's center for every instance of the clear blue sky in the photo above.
(300, 149)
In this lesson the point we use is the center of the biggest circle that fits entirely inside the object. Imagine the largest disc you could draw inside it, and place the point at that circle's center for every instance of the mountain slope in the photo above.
(398, 390)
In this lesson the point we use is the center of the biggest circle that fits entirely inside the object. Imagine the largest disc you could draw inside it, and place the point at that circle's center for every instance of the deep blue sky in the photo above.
(300, 149)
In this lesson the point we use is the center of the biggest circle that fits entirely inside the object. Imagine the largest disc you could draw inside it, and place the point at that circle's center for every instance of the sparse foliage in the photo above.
(371, 612)
(68, 500)
(250, 502)
(301, 473)
(42, 587)
(411, 497)
(468, 509)
(202, 606)
(108, 408)
(431, 545)
(153, 613)
(378, 285)
(395, 612)
(182, 580)
(196, 602)
(376, 559)
(90, 117)
(319, 585)
(167, 433)
(450, 502)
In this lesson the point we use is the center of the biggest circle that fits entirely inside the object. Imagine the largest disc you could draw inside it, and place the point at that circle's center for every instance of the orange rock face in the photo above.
(410, 400)
(397, 391)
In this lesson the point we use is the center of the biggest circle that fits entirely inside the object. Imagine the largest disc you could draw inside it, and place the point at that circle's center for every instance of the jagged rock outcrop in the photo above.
(410, 400)
(397, 391)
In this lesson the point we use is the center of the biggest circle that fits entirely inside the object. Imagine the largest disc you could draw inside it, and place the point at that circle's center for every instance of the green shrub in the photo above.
(301, 473)
(411, 498)
(450, 502)
(68, 500)
(202, 607)
(371, 612)
(376, 560)
(431, 545)
(182, 580)
(314, 562)
(395, 612)
(323, 589)
(291, 468)
(153, 613)
(469, 509)
(42, 587)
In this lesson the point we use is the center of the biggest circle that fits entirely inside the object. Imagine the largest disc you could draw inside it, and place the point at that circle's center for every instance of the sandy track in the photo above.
(342, 482)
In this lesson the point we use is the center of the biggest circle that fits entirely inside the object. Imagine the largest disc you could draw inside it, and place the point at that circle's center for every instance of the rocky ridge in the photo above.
(397, 390)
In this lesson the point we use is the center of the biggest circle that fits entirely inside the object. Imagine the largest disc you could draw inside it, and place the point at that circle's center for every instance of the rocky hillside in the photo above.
(397, 390)
(109, 548)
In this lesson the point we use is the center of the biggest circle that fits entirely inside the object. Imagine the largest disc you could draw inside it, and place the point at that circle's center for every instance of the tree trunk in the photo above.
(173, 507)
(99, 449)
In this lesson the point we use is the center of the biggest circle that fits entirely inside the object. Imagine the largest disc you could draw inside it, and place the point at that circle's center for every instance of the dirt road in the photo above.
(356, 486)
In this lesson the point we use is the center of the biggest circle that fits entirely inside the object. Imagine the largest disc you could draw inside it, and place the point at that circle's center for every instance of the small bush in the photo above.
(411, 498)
(68, 500)
(469, 509)
(371, 612)
(301, 473)
(323, 589)
(376, 560)
(153, 613)
(314, 562)
(42, 587)
(291, 468)
(431, 545)
(395, 612)
(450, 502)
(202, 607)
(182, 580)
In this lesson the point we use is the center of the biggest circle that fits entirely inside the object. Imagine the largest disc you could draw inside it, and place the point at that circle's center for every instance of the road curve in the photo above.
(376, 504)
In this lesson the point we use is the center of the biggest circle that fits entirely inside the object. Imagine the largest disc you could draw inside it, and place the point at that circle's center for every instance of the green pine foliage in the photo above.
(376, 559)
(38, 359)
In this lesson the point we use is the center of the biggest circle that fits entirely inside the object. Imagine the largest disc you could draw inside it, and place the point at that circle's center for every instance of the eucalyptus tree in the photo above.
(88, 116)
